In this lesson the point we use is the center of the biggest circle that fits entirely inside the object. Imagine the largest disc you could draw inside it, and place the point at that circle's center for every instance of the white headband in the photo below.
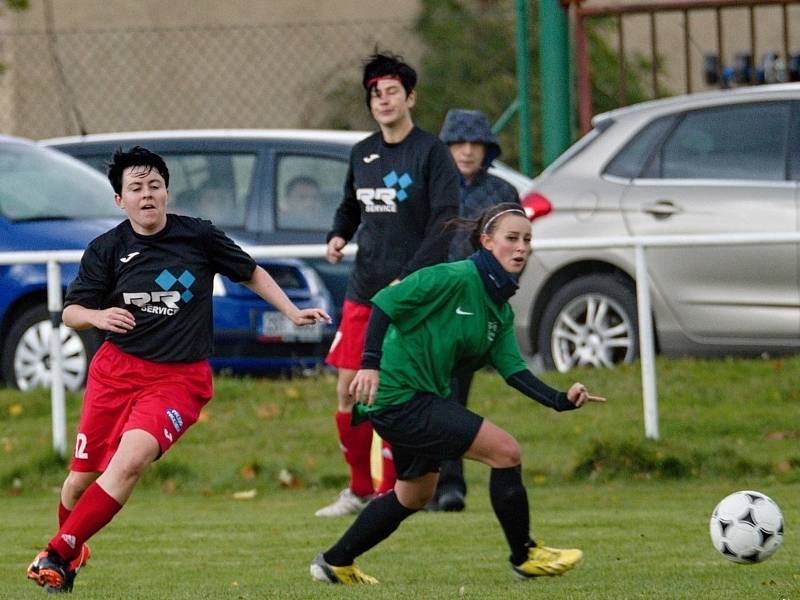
(502, 212)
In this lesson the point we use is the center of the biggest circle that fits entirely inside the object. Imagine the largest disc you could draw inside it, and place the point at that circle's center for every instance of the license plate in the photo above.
(277, 325)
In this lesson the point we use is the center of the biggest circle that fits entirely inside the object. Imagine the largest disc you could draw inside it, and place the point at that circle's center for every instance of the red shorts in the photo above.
(347, 346)
(124, 392)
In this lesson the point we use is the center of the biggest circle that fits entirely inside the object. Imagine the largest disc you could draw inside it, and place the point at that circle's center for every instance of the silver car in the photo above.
(719, 162)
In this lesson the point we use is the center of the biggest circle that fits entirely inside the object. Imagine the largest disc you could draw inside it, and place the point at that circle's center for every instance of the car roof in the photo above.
(701, 99)
(311, 135)
(11, 139)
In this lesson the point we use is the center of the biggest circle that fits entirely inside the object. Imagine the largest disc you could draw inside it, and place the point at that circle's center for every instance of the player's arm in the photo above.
(365, 382)
(82, 304)
(533, 387)
(264, 285)
(114, 319)
(345, 221)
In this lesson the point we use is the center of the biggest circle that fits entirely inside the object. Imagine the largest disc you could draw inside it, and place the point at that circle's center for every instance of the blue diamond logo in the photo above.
(165, 280)
(390, 179)
(186, 279)
(401, 195)
(404, 181)
(187, 295)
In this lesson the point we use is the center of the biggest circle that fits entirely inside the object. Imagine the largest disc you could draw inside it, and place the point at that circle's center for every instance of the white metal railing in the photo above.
(53, 259)
(644, 309)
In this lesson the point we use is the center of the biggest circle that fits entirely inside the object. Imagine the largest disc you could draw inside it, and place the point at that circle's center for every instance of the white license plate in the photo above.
(277, 325)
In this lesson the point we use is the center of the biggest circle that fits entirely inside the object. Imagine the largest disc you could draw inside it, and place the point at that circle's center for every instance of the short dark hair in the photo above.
(386, 64)
(135, 157)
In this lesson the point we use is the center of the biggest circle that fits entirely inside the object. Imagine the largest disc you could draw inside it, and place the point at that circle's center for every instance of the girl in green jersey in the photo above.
(423, 330)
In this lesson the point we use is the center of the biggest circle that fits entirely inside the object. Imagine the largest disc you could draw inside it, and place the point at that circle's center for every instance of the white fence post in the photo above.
(54, 306)
(646, 346)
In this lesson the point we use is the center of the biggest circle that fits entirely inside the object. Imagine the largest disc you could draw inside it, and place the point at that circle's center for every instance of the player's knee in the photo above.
(74, 486)
(508, 453)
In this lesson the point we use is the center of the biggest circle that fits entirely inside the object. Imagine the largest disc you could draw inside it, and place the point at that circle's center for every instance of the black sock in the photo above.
(373, 525)
(510, 504)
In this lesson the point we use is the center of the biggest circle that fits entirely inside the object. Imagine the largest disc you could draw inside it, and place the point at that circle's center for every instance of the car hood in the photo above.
(54, 234)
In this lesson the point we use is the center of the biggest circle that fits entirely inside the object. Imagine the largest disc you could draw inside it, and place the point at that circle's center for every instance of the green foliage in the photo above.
(17, 4)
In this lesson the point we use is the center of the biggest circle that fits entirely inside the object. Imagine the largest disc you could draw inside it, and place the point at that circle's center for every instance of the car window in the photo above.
(41, 184)
(730, 142)
(309, 189)
(213, 186)
(630, 161)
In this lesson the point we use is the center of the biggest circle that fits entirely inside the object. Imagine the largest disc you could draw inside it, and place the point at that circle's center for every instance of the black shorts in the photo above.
(425, 431)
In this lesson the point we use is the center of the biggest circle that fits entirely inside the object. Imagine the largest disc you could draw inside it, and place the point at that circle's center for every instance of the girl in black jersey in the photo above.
(147, 284)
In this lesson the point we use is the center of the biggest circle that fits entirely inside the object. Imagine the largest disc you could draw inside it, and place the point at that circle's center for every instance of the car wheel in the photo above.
(590, 321)
(26, 352)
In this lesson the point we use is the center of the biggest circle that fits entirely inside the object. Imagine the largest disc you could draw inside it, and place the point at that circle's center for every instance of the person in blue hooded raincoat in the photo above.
(474, 147)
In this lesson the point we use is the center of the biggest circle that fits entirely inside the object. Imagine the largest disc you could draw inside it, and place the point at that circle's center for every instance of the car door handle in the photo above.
(662, 209)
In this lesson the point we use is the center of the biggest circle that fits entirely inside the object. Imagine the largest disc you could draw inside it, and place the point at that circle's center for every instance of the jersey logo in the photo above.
(491, 330)
(385, 196)
(164, 301)
(167, 434)
(372, 157)
(128, 258)
(460, 311)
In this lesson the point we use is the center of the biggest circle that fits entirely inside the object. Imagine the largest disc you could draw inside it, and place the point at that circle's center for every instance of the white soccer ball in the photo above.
(746, 527)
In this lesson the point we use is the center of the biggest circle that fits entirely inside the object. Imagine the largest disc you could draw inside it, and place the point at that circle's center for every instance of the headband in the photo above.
(502, 212)
(374, 80)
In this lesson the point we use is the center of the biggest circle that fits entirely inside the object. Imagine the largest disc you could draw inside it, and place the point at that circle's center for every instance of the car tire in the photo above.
(26, 352)
(590, 321)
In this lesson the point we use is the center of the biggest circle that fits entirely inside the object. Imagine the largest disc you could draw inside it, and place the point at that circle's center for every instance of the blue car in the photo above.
(49, 201)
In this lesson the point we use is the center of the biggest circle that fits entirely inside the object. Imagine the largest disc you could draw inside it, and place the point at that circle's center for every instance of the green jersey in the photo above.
(443, 320)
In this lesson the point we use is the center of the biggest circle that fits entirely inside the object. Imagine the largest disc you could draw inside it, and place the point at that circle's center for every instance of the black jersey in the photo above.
(398, 197)
(165, 280)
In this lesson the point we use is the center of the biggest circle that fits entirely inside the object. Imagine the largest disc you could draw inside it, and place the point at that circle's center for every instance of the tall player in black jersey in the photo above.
(401, 187)
(148, 284)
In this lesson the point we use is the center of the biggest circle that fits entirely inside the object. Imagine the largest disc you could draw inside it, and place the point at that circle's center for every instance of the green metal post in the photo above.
(523, 96)
(554, 72)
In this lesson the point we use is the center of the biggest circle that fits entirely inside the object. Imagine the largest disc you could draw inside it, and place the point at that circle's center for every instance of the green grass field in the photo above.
(639, 509)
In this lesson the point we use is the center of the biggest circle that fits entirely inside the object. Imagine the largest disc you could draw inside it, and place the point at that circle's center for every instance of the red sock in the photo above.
(356, 442)
(389, 474)
(63, 513)
(93, 511)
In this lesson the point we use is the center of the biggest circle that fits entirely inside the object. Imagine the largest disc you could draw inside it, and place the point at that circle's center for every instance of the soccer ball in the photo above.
(746, 527)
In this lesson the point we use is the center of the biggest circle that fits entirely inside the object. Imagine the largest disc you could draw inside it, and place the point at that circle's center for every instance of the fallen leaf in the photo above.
(288, 479)
(292, 392)
(15, 409)
(781, 435)
(244, 495)
(268, 411)
(249, 471)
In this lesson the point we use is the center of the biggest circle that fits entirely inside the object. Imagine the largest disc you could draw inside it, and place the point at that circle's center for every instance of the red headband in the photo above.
(374, 80)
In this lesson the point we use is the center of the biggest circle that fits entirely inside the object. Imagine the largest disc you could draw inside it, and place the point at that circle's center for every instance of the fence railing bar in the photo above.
(53, 258)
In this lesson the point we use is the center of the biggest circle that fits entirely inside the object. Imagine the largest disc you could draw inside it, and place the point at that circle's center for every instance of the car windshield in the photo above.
(39, 184)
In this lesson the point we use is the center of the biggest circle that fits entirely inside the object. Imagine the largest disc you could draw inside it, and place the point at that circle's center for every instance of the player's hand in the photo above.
(578, 395)
(114, 319)
(364, 385)
(334, 253)
(309, 316)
